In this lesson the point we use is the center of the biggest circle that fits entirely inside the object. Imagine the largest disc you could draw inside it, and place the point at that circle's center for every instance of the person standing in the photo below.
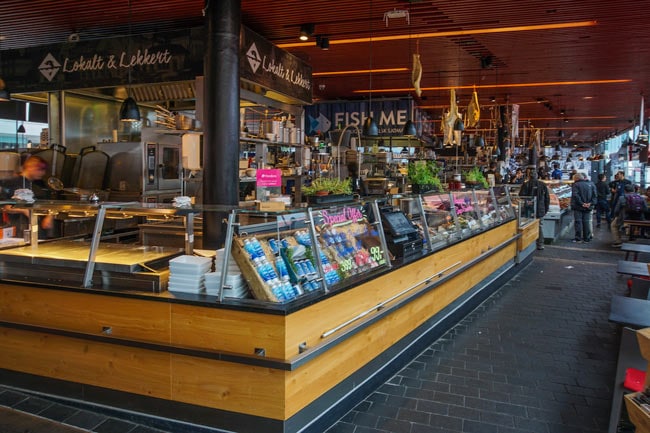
(602, 204)
(583, 201)
(556, 173)
(622, 212)
(617, 188)
(533, 187)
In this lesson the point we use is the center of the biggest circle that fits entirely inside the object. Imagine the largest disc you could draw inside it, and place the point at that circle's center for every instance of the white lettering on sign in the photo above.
(290, 75)
(97, 62)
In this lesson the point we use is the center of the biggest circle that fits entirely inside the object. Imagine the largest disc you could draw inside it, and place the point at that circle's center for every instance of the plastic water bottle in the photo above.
(273, 244)
(310, 267)
(248, 247)
(257, 247)
(283, 272)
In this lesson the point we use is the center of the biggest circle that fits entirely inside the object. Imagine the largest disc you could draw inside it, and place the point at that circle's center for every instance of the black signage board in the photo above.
(151, 58)
(263, 63)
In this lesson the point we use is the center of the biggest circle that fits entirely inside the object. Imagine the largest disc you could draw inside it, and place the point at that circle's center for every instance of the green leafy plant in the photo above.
(329, 185)
(425, 173)
(476, 176)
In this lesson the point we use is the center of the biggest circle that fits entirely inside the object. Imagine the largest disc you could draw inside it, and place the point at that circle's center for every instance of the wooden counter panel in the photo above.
(88, 313)
(122, 368)
(234, 387)
(529, 234)
(324, 372)
(307, 325)
(227, 330)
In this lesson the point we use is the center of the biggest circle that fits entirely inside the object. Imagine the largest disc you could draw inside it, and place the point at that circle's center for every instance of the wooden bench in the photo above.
(634, 269)
(635, 225)
(634, 249)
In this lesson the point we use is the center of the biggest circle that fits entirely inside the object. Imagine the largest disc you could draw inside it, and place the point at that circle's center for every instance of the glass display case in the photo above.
(441, 221)
(491, 210)
(286, 255)
(526, 209)
(467, 211)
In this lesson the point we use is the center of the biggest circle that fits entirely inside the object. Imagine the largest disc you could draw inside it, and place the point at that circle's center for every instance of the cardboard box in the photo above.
(8, 232)
(270, 206)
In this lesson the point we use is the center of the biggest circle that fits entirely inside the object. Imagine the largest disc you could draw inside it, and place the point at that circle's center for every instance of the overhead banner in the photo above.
(390, 116)
(150, 58)
(263, 63)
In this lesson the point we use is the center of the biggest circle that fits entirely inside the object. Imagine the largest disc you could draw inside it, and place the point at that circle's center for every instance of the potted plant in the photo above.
(423, 176)
(333, 188)
(475, 178)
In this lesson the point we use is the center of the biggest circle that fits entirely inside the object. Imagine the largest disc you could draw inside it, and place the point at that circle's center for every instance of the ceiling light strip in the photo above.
(446, 34)
(358, 71)
(494, 86)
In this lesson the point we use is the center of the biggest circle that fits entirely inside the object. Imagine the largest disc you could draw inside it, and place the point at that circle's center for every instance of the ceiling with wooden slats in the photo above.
(583, 80)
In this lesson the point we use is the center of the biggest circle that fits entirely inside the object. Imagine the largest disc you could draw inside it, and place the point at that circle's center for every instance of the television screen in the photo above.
(398, 224)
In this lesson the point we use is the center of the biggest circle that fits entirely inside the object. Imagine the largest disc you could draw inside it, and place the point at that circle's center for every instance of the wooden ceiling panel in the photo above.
(520, 64)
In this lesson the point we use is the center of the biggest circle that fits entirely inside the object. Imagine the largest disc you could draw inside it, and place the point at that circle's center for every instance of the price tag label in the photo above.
(376, 254)
(346, 265)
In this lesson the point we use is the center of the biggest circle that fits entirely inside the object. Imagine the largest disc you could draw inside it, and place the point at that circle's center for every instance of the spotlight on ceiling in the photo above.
(323, 42)
(306, 30)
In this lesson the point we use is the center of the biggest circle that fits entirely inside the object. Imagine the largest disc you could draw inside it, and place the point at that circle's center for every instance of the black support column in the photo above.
(221, 116)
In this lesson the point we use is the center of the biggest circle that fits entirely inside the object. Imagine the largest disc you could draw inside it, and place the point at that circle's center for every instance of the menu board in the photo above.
(349, 244)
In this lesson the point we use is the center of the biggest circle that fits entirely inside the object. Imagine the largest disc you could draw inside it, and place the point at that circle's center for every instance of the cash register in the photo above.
(402, 237)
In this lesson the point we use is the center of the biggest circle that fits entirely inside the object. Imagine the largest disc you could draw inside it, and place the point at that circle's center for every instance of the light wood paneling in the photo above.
(228, 330)
(308, 324)
(529, 234)
(115, 367)
(308, 382)
(241, 388)
(88, 313)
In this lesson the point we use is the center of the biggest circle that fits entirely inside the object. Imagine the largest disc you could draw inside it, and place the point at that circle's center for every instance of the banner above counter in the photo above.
(389, 114)
(150, 58)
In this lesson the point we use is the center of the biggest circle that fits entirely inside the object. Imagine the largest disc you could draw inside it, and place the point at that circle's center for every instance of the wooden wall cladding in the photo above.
(88, 313)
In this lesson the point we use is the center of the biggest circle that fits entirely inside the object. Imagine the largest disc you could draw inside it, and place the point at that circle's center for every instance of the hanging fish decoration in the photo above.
(473, 111)
(448, 120)
(416, 74)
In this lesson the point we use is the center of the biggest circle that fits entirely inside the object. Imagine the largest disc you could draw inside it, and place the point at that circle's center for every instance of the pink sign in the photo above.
(268, 177)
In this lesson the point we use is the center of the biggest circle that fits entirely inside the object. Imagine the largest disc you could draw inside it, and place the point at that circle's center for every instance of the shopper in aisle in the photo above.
(623, 210)
(583, 202)
(518, 178)
(556, 173)
(602, 205)
(617, 188)
(535, 188)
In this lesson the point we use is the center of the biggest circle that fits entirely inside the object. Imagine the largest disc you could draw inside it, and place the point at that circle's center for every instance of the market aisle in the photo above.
(537, 356)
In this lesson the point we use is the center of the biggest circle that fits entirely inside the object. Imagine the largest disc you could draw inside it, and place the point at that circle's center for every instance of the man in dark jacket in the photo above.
(621, 213)
(534, 188)
(602, 205)
(583, 202)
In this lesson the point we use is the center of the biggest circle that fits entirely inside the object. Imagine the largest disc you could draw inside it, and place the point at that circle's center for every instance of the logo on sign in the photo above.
(49, 67)
(254, 58)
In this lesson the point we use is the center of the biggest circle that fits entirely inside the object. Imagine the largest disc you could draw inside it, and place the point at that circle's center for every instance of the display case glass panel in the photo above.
(467, 211)
(440, 219)
(350, 246)
(526, 209)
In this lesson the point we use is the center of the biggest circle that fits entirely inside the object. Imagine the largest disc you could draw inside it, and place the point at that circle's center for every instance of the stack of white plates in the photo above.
(237, 285)
(186, 273)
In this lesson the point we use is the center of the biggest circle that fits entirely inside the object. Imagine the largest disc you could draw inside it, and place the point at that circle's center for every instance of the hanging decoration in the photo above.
(416, 72)
(473, 111)
(451, 134)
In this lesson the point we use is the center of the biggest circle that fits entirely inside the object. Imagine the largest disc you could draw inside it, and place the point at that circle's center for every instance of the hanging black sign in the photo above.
(149, 58)
(155, 57)
(263, 63)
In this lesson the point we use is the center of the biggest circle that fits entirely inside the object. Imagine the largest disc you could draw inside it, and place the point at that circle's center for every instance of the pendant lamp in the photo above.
(129, 111)
(459, 125)
(370, 128)
(409, 129)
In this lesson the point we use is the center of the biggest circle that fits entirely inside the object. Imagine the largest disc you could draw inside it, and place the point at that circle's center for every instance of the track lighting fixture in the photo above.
(306, 30)
(323, 42)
